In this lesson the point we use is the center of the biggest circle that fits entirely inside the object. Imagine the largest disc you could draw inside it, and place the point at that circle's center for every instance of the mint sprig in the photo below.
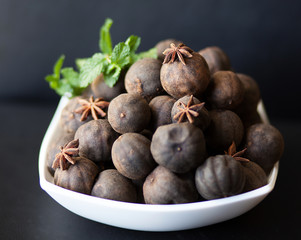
(69, 83)
(109, 62)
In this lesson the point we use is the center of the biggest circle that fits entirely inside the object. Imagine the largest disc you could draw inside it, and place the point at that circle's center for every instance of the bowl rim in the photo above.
(48, 185)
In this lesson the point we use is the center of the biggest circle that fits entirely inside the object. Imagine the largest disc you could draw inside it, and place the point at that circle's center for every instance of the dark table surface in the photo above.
(27, 212)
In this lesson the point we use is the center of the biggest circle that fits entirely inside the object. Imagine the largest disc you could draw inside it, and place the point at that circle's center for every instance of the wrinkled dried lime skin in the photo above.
(163, 45)
(255, 176)
(79, 177)
(216, 59)
(143, 78)
(96, 139)
(100, 89)
(110, 184)
(132, 157)
(225, 90)
(160, 111)
(69, 120)
(265, 145)
(129, 113)
(180, 147)
(165, 187)
(60, 138)
(220, 176)
(225, 127)
(202, 121)
(179, 80)
(251, 97)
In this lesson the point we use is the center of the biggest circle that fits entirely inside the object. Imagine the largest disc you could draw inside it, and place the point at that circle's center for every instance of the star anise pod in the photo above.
(236, 155)
(180, 51)
(64, 158)
(190, 110)
(93, 107)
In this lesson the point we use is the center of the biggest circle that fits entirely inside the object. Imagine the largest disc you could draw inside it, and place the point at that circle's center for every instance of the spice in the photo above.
(180, 51)
(95, 107)
(64, 158)
(189, 110)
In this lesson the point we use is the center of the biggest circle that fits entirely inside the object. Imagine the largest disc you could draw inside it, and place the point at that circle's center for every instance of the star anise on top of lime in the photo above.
(189, 110)
(95, 107)
(236, 155)
(179, 51)
(63, 159)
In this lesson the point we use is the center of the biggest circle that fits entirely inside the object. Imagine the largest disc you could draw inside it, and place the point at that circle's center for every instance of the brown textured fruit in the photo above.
(132, 157)
(96, 139)
(252, 96)
(165, 187)
(225, 127)
(225, 90)
(255, 176)
(143, 78)
(78, 177)
(100, 89)
(160, 111)
(220, 176)
(110, 184)
(216, 59)
(179, 80)
(264, 144)
(180, 147)
(129, 113)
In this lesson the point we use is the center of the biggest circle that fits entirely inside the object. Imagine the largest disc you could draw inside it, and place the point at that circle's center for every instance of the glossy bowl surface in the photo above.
(144, 216)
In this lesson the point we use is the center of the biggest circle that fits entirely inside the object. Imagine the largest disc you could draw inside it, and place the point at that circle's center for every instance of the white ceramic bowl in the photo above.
(144, 216)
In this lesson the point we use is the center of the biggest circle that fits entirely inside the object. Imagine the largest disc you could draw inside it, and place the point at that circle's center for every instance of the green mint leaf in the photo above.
(79, 62)
(151, 53)
(121, 55)
(71, 76)
(92, 68)
(55, 76)
(58, 65)
(133, 42)
(112, 74)
(105, 42)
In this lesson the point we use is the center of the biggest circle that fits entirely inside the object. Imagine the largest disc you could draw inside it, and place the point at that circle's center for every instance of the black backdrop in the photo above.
(262, 39)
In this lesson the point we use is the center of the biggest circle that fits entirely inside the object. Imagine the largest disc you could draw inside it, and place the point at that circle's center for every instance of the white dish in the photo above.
(144, 216)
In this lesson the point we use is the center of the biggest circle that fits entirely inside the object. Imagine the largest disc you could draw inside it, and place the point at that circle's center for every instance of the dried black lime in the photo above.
(143, 78)
(225, 127)
(255, 176)
(225, 90)
(132, 157)
(220, 176)
(79, 176)
(264, 144)
(165, 187)
(160, 111)
(101, 89)
(96, 139)
(187, 75)
(180, 147)
(129, 113)
(110, 184)
(216, 59)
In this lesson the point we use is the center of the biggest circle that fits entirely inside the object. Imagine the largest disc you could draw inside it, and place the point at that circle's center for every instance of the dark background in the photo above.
(262, 39)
